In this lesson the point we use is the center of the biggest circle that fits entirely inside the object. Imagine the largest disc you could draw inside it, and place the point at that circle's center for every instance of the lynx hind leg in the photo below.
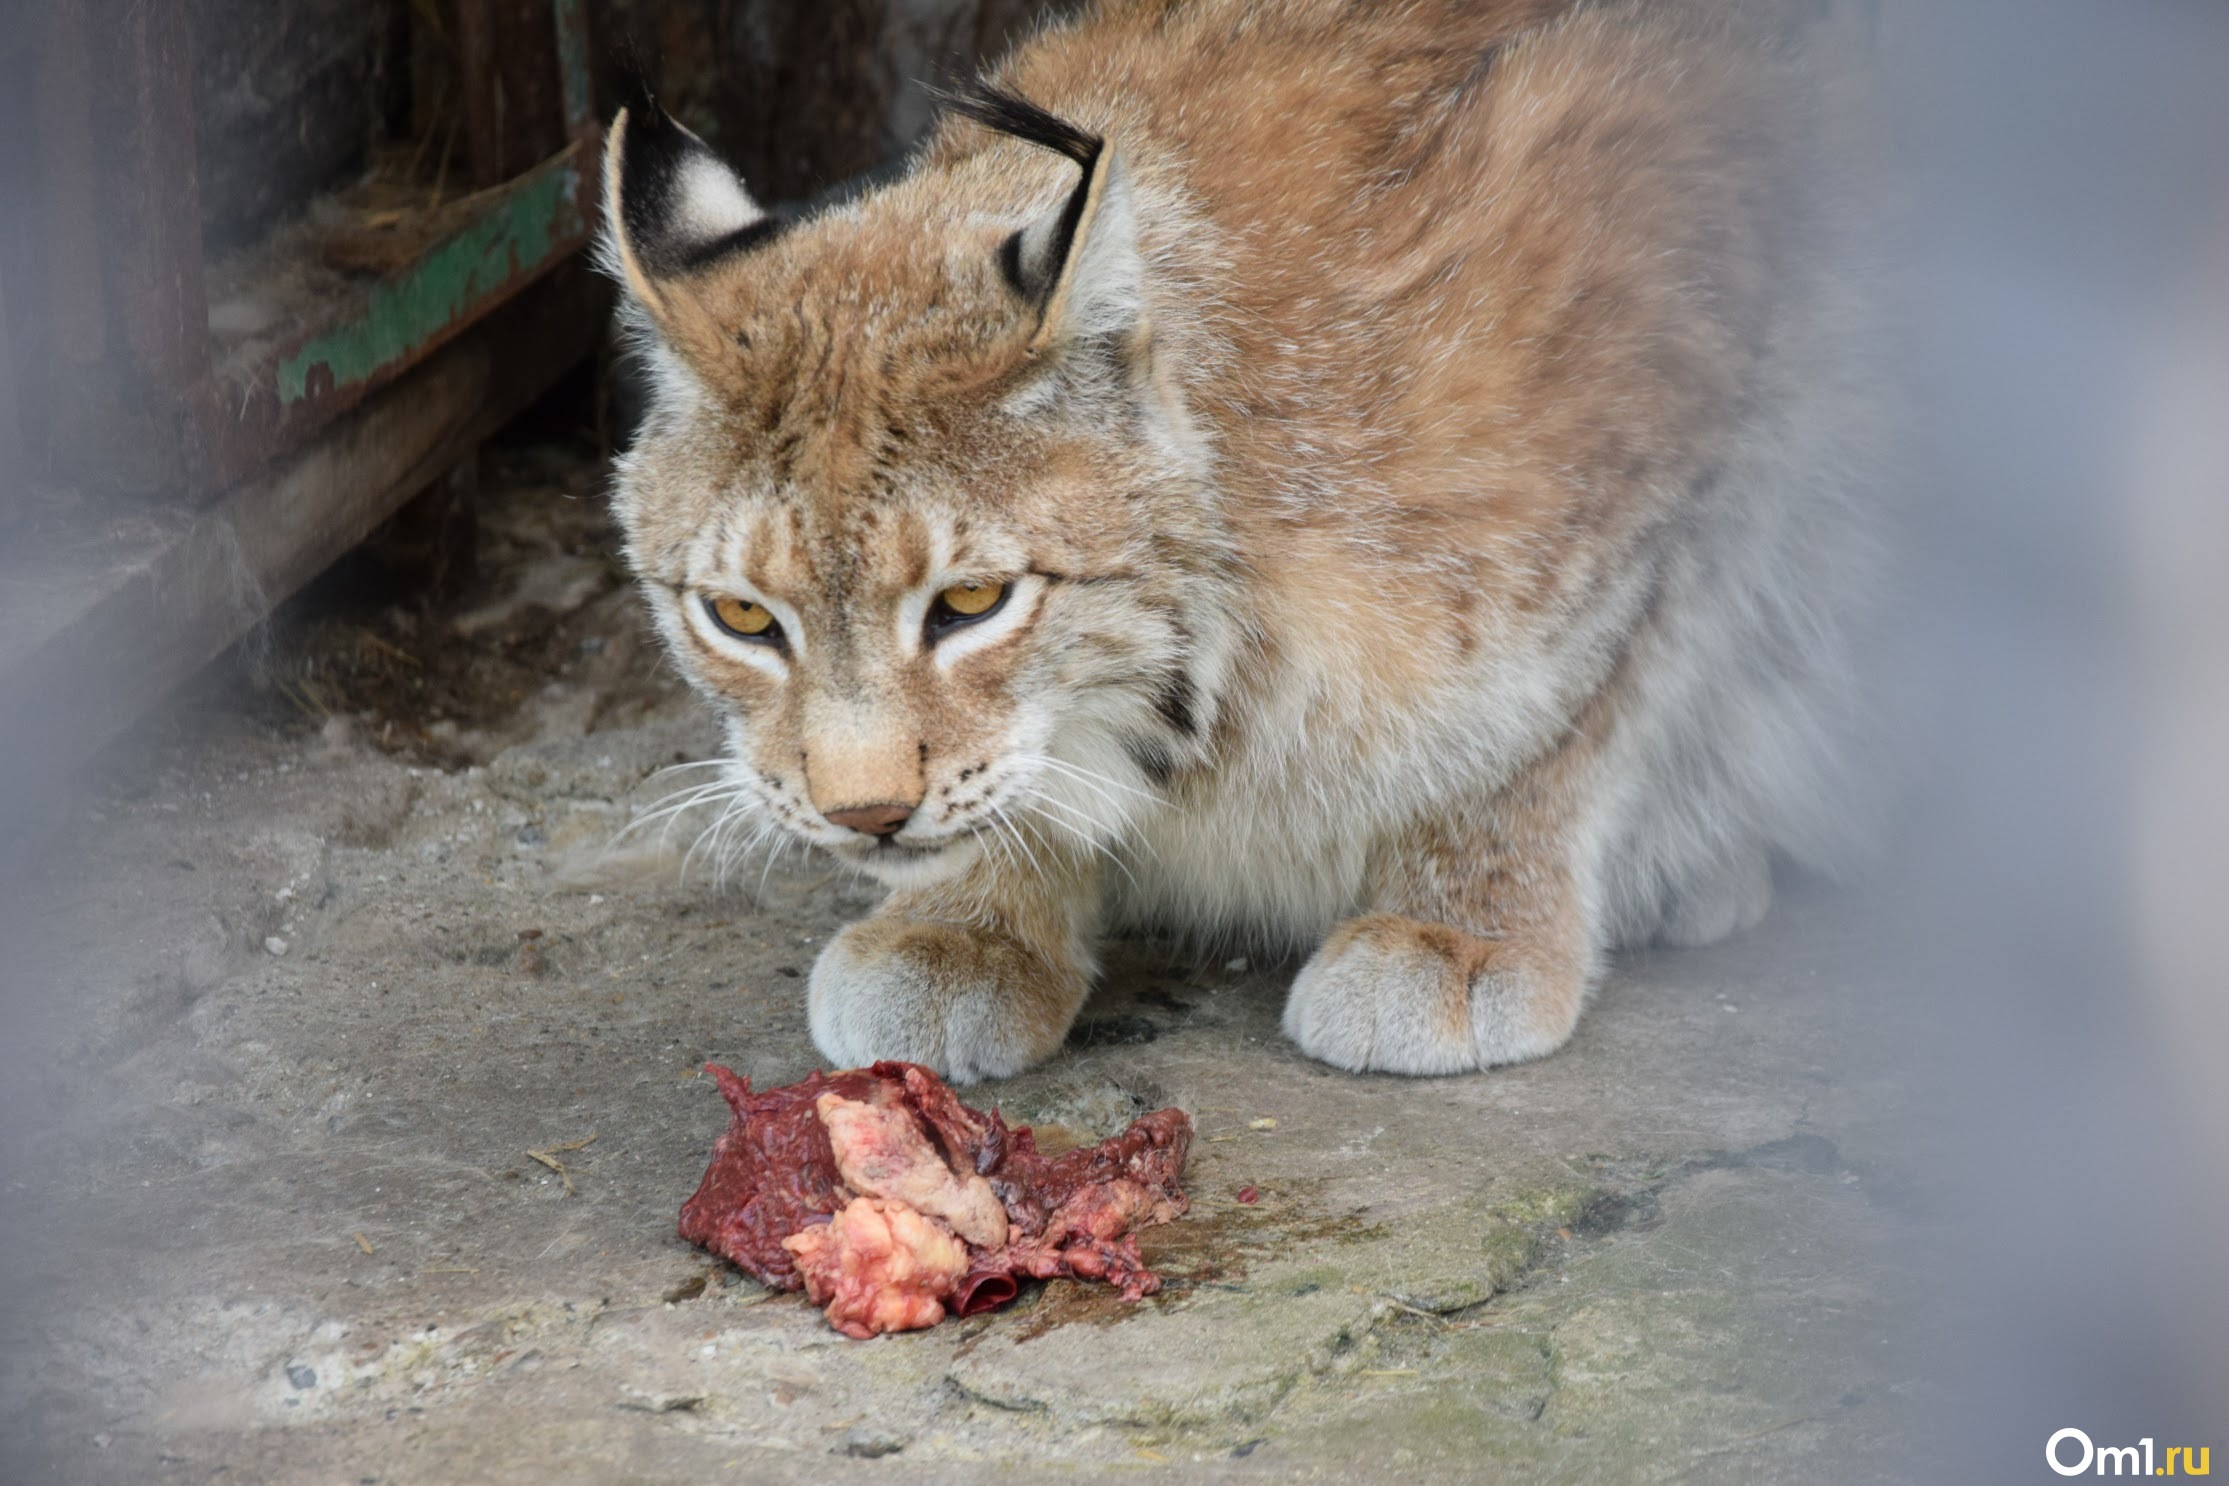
(1478, 952)
(1730, 895)
(931, 981)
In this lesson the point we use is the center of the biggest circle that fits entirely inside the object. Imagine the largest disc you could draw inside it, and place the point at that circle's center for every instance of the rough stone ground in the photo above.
(342, 950)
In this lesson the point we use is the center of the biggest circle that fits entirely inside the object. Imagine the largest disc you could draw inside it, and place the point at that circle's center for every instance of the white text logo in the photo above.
(2071, 1453)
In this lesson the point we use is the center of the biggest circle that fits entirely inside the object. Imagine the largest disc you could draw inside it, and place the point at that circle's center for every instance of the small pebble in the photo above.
(275, 945)
(1249, 1195)
(301, 1376)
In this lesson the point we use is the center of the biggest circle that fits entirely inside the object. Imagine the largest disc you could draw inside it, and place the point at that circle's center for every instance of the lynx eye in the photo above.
(973, 600)
(742, 618)
(964, 603)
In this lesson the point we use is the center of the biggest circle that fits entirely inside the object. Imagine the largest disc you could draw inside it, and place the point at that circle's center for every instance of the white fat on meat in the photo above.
(881, 1152)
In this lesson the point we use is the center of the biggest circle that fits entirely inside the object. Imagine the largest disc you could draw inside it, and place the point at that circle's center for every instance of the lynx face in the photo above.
(906, 507)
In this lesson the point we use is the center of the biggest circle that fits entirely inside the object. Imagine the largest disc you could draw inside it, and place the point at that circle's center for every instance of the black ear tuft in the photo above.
(630, 73)
(1001, 109)
(680, 207)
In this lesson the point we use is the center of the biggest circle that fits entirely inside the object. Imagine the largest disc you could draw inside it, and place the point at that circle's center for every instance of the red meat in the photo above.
(873, 1189)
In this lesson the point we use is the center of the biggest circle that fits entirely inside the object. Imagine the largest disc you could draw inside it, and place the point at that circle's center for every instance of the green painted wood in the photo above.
(526, 225)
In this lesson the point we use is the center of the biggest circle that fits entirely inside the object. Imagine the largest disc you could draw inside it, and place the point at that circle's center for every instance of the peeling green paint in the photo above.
(521, 230)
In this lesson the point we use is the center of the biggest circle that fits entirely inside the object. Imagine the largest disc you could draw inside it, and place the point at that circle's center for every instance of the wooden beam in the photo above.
(98, 625)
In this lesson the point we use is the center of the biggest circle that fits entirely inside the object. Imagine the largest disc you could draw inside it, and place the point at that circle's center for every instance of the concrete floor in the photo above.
(274, 1212)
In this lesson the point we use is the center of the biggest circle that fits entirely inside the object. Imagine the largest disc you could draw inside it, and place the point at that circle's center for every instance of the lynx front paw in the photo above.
(968, 1002)
(1404, 996)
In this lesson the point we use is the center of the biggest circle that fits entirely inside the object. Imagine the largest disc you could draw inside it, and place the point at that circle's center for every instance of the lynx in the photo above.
(1391, 480)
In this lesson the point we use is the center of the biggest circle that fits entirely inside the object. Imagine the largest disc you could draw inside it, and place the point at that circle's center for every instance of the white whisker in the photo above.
(1042, 804)
(1093, 778)
(734, 809)
(998, 818)
(702, 763)
(1040, 800)
(993, 841)
(680, 802)
(782, 843)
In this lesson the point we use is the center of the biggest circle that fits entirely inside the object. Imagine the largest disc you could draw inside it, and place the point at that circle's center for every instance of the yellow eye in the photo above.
(972, 600)
(741, 617)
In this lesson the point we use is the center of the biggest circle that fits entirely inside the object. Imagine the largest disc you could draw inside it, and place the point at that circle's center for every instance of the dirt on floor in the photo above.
(354, 1152)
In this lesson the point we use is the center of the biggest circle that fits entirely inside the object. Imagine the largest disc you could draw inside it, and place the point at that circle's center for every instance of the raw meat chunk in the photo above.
(892, 1202)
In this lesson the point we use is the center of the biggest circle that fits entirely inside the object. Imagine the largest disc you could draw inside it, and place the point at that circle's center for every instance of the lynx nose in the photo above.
(871, 820)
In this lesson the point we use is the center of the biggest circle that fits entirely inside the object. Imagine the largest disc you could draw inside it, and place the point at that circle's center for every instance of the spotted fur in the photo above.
(1430, 445)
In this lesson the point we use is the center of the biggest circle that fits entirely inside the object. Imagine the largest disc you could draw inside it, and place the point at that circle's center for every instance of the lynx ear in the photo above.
(1078, 263)
(671, 208)
(1082, 261)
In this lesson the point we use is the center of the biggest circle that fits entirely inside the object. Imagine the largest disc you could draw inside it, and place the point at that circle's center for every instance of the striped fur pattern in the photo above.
(1425, 449)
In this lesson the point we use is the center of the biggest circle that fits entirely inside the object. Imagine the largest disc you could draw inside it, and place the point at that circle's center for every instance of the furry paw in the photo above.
(1405, 996)
(970, 1003)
